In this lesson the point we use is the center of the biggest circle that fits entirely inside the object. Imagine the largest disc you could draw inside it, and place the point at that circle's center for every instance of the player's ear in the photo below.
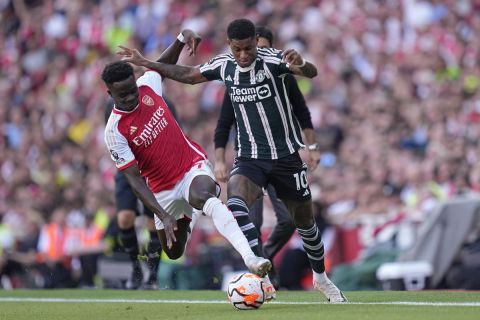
(109, 93)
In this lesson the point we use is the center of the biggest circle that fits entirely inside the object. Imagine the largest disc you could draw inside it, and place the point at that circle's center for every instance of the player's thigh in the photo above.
(199, 185)
(181, 234)
(247, 178)
(289, 178)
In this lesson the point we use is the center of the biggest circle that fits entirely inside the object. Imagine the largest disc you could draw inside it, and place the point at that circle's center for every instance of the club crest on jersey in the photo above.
(260, 76)
(133, 129)
(147, 100)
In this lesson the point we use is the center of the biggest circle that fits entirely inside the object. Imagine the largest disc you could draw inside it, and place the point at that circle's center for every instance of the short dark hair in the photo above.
(241, 29)
(264, 32)
(116, 71)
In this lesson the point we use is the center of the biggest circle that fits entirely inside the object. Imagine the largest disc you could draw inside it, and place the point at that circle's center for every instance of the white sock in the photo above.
(320, 277)
(195, 215)
(228, 227)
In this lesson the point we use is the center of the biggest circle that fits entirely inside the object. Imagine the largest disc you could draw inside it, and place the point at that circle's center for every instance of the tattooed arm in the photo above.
(298, 65)
(184, 74)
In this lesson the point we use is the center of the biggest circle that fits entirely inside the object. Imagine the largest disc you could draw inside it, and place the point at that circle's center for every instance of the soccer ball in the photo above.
(245, 291)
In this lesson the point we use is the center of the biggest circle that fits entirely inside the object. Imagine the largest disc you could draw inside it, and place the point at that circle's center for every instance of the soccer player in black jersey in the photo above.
(284, 228)
(268, 135)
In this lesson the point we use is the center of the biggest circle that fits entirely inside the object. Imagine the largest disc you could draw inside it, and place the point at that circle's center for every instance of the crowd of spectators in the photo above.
(396, 104)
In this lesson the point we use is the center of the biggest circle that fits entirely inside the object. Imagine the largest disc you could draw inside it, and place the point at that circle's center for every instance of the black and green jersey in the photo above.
(266, 125)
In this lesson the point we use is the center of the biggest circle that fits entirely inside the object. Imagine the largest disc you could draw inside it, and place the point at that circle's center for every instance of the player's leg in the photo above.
(127, 204)
(243, 189)
(174, 204)
(284, 228)
(154, 251)
(290, 181)
(181, 234)
(256, 216)
(281, 233)
(201, 192)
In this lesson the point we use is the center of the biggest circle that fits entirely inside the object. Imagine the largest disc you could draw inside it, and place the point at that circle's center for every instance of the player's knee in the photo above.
(126, 219)
(200, 197)
(304, 222)
(286, 224)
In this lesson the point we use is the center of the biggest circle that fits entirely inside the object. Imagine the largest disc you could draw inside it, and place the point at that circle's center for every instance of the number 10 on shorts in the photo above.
(301, 180)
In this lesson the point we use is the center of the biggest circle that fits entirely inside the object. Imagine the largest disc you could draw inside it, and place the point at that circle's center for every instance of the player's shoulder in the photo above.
(268, 52)
(270, 55)
(113, 121)
(147, 77)
(221, 58)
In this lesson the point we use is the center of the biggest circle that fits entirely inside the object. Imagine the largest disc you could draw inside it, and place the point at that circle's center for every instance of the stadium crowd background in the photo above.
(396, 105)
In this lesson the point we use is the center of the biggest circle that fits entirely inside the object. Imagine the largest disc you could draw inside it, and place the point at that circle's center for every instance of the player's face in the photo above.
(263, 43)
(124, 93)
(244, 51)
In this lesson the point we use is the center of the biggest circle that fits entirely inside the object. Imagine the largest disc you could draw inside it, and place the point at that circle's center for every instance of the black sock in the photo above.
(128, 238)
(240, 211)
(154, 250)
(313, 245)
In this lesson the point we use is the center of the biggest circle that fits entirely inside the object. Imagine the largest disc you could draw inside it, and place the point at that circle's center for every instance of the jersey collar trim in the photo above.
(246, 69)
(116, 110)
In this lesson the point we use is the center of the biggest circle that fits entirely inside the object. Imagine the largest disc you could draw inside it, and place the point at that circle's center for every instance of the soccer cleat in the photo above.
(259, 266)
(136, 278)
(333, 294)
(150, 285)
(269, 290)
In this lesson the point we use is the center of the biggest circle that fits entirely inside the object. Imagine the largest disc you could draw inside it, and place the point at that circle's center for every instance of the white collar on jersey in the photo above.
(246, 69)
(125, 111)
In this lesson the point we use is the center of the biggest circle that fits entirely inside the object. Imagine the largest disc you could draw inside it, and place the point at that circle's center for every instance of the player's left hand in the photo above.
(313, 159)
(192, 39)
(292, 57)
(170, 226)
(131, 55)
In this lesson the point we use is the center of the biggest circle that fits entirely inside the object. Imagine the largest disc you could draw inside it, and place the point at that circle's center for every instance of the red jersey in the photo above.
(150, 137)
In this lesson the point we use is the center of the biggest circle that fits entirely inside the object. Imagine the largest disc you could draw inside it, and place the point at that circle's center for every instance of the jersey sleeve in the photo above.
(151, 79)
(224, 123)
(212, 70)
(299, 105)
(117, 145)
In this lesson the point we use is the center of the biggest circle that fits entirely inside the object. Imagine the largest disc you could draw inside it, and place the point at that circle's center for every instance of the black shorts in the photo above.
(287, 175)
(126, 199)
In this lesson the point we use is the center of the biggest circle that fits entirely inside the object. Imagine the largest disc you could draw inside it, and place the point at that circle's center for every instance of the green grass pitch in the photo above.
(198, 305)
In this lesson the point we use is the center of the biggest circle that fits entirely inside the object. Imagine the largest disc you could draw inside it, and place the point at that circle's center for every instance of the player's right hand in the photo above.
(170, 226)
(220, 171)
(192, 39)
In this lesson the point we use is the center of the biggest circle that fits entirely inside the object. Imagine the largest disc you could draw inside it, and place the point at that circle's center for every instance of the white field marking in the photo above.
(402, 303)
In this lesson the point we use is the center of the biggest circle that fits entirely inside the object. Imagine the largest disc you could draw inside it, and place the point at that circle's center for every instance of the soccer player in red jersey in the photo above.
(167, 170)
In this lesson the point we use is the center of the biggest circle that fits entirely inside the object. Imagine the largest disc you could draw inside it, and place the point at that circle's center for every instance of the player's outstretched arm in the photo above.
(298, 65)
(184, 74)
(139, 186)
